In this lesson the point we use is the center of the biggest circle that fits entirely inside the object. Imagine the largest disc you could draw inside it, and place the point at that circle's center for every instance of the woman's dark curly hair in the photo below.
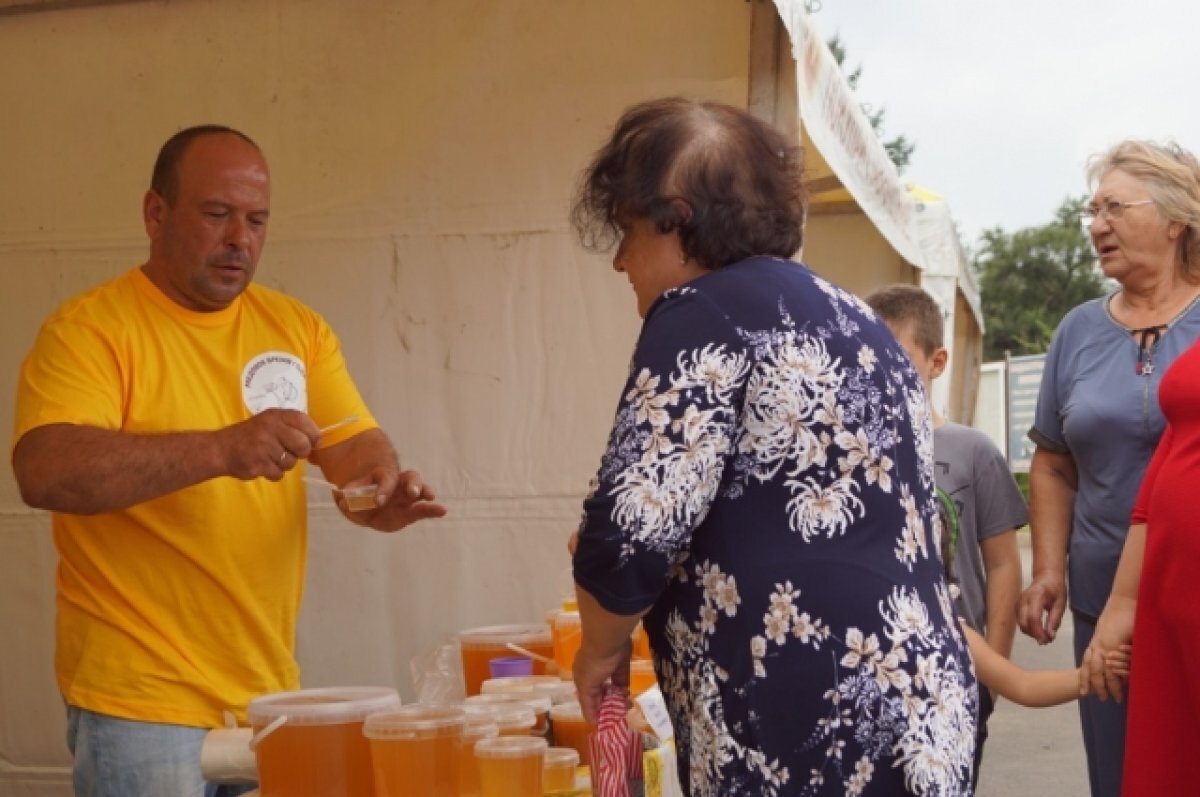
(729, 183)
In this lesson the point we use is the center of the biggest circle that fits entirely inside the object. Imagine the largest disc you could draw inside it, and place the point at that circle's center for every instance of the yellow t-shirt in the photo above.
(179, 608)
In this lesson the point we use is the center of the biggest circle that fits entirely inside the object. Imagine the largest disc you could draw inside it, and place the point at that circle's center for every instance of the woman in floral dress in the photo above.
(766, 501)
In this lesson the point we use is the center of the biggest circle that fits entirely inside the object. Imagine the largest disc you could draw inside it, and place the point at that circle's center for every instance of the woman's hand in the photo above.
(594, 669)
(1101, 672)
(1040, 610)
(1053, 482)
(604, 651)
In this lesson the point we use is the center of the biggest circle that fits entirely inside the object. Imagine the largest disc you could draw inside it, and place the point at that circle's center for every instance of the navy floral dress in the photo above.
(768, 490)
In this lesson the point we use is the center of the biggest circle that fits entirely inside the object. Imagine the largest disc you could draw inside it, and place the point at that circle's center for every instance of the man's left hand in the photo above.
(402, 499)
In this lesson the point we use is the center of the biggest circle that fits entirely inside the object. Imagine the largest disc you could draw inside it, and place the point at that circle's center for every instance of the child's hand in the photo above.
(1117, 661)
(1115, 666)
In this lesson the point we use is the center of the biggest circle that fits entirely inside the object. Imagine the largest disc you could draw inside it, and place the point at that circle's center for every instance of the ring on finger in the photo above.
(283, 456)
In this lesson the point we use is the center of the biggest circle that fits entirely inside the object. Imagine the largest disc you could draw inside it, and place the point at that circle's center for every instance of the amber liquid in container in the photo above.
(568, 634)
(315, 759)
(481, 645)
(468, 768)
(510, 766)
(558, 771)
(415, 751)
(570, 730)
(319, 747)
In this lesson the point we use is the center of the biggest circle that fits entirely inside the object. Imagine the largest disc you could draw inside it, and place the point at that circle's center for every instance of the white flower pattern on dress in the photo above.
(833, 419)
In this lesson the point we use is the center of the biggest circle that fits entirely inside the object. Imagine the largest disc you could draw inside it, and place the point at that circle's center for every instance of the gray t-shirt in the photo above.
(1095, 406)
(972, 471)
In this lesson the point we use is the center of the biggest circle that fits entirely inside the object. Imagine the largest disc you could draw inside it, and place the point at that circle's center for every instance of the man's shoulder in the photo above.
(99, 300)
(257, 296)
(265, 293)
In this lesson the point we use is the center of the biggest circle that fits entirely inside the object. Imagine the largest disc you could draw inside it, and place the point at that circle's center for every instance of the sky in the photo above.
(1007, 100)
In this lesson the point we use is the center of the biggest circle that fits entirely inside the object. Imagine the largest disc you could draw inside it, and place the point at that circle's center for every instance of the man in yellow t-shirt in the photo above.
(162, 418)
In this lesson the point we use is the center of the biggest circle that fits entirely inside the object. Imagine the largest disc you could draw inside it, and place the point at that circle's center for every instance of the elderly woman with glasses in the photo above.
(767, 500)
(1098, 419)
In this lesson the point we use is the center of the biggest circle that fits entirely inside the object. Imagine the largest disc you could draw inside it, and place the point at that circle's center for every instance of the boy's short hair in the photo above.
(898, 305)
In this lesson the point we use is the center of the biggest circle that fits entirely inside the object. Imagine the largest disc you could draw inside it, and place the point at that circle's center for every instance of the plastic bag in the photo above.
(616, 750)
(437, 674)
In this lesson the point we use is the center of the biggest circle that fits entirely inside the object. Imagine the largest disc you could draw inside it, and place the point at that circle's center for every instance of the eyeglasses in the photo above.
(1110, 210)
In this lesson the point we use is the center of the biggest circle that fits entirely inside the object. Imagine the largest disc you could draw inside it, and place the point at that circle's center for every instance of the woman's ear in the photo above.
(669, 214)
(682, 210)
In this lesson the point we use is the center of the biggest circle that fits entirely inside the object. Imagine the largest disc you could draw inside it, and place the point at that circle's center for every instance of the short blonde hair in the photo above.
(1172, 177)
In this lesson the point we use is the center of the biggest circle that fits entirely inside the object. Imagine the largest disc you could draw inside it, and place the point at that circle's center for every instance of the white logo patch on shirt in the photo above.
(275, 380)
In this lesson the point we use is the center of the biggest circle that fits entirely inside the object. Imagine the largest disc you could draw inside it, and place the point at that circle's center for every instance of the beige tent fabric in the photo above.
(423, 158)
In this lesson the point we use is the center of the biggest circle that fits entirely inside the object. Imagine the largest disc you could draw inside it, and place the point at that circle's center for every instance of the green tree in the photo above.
(899, 148)
(1029, 279)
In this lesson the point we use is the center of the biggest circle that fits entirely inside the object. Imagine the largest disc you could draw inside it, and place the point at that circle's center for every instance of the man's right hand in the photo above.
(1040, 610)
(267, 445)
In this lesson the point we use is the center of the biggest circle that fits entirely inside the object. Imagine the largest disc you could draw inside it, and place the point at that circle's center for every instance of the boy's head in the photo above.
(916, 321)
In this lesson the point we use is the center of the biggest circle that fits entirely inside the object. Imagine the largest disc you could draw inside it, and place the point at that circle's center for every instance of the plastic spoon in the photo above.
(317, 480)
(349, 419)
(518, 649)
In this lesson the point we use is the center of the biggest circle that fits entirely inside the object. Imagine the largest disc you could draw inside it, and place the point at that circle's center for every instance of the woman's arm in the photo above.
(674, 433)
(1115, 626)
(1053, 479)
(604, 651)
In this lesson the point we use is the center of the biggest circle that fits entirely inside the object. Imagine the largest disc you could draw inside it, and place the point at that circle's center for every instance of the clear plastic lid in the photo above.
(479, 728)
(559, 692)
(509, 716)
(567, 712)
(515, 685)
(324, 706)
(492, 636)
(539, 703)
(415, 722)
(561, 757)
(511, 747)
(522, 683)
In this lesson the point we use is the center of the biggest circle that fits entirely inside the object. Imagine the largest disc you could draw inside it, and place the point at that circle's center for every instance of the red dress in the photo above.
(1162, 747)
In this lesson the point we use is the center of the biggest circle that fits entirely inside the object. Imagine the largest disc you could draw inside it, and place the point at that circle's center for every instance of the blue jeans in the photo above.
(125, 758)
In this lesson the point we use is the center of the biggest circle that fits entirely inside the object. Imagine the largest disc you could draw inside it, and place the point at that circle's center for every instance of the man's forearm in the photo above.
(356, 457)
(86, 470)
